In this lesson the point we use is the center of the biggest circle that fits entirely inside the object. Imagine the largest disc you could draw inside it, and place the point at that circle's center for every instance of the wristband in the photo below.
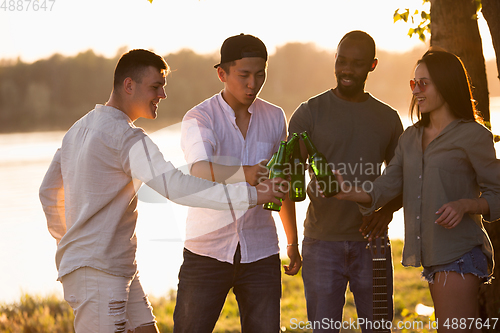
(293, 244)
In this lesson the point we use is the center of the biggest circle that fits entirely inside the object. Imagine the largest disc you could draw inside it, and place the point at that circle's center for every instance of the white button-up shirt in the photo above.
(210, 133)
(89, 192)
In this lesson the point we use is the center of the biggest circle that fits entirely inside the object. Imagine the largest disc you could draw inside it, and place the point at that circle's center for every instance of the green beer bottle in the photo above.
(324, 175)
(297, 190)
(271, 162)
(277, 170)
(290, 146)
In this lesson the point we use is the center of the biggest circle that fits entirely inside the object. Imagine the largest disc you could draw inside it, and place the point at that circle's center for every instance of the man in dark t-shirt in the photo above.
(358, 134)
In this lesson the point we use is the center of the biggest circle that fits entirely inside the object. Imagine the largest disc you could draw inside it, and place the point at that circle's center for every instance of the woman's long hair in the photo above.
(450, 77)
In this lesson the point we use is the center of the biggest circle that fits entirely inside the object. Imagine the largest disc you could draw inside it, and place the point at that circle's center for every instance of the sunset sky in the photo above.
(202, 25)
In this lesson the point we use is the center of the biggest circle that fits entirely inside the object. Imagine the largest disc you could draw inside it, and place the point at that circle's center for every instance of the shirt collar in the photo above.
(228, 109)
(119, 113)
(454, 123)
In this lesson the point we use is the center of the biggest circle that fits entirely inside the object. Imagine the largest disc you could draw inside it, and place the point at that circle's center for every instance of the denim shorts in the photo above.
(473, 262)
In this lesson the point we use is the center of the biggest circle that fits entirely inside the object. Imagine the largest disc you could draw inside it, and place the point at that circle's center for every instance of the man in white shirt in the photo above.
(89, 198)
(233, 249)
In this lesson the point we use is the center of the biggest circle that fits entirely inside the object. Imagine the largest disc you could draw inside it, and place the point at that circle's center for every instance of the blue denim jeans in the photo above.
(327, 269)
(204, 283)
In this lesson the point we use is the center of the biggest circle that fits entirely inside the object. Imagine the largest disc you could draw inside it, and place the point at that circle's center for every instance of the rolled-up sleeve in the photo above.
(198, 140)
(481, 152)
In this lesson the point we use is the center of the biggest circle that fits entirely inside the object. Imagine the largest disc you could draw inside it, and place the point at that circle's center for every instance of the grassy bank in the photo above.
(49, 314)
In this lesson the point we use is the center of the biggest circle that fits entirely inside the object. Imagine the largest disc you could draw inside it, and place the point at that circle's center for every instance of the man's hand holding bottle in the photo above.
(272, 190)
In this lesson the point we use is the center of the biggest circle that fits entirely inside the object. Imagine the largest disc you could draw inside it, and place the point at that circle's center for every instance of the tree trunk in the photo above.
(488, 301)
(454, 29)
(491, 13)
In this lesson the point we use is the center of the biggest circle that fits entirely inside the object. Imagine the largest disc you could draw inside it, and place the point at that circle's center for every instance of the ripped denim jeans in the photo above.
(104, 303)
(473, 262)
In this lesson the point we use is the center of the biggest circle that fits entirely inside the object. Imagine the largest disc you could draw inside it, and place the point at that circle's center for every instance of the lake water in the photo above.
(27, 249)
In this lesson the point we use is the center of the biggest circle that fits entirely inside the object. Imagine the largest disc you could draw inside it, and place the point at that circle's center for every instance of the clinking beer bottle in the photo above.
(297, 190)
(271, 162)
(290, 146)
(324, 175)
(277, 170)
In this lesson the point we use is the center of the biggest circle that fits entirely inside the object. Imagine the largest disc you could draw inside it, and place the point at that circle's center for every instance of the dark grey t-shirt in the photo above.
(356, 139)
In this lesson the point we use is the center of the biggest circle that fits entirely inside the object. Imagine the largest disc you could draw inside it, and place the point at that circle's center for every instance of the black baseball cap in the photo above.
(241, 46)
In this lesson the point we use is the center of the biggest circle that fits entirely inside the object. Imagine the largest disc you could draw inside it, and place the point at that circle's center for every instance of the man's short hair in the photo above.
(226, 66)
(361, 36)
(133, 63)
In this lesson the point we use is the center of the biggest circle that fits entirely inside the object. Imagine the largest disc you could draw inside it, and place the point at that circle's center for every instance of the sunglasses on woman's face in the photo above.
(422, 85)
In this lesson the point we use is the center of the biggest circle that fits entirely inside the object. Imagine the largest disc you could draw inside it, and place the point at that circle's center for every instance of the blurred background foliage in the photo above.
(51, 94)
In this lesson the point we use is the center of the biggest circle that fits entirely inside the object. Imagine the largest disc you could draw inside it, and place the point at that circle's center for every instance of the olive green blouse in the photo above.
(460, 163)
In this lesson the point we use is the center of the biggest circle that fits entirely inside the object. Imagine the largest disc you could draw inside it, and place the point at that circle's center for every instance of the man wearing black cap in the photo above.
(228, 138)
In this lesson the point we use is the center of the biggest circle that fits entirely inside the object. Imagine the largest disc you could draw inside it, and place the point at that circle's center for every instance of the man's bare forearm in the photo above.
(288, 218)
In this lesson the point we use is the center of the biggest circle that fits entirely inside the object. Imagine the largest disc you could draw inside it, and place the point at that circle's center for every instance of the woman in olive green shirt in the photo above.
(445, 165)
